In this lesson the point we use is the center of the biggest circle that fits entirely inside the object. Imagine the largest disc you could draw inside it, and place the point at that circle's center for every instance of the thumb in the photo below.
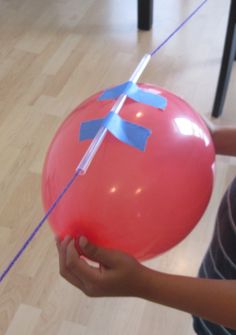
(101, 255)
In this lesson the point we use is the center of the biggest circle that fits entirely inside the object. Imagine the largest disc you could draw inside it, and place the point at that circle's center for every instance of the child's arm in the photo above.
(213, 300)
(224, 138)
(121, 275)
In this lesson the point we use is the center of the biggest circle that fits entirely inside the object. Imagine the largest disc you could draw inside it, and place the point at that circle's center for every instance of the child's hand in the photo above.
(118, 275)
(223, 137)
(210, 125)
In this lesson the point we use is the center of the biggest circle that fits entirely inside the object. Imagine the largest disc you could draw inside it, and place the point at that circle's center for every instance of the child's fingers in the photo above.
(58, 241)
(108, 258)
(90, 278)
(64, 271)
(62, 246)
(78, 266)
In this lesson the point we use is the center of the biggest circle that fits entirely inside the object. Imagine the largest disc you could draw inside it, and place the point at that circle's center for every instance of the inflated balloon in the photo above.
(143, 203)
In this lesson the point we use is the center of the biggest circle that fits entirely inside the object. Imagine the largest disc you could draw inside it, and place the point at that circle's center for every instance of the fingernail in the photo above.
(83, 242)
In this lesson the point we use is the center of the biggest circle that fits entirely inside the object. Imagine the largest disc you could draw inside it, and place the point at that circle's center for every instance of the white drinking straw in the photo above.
(98, 139)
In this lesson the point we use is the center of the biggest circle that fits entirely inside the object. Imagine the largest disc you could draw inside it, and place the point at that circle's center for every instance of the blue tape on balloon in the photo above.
(154, 100)
(43, 220)
(89, 129)
(115, 92)
(125, 131)
(135, 93)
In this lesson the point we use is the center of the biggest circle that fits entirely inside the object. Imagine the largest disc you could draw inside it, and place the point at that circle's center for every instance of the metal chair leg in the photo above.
(227, 62)
(145, 14)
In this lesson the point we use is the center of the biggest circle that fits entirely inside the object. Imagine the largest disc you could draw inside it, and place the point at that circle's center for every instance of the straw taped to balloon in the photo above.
(136, 170)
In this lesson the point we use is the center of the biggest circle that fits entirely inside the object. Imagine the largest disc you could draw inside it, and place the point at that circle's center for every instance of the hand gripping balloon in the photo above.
(140, 204)
(151, 178)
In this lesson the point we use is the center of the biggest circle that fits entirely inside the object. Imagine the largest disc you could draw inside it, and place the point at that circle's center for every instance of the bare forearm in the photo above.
(213, 300)
(224, 139)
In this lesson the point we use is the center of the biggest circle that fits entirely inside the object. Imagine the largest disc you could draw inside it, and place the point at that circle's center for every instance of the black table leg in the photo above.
(145, 14)
(227, 62)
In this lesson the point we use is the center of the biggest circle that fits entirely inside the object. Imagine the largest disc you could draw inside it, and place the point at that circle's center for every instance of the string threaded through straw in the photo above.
(78, 171)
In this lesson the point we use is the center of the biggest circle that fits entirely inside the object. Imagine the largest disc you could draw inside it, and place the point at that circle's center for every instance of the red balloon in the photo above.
(142, 203)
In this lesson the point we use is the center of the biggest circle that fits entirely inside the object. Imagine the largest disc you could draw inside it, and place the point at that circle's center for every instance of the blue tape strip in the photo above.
(115, 92)
(135, 93)
(125, 131)
(154, 100)
(89, 129)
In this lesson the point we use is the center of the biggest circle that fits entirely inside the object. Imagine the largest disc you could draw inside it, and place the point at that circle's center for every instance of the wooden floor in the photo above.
(54, 54)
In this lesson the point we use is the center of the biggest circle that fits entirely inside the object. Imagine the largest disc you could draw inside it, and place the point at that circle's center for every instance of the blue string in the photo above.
(32, 235)
(177, 29)
(35, 231)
